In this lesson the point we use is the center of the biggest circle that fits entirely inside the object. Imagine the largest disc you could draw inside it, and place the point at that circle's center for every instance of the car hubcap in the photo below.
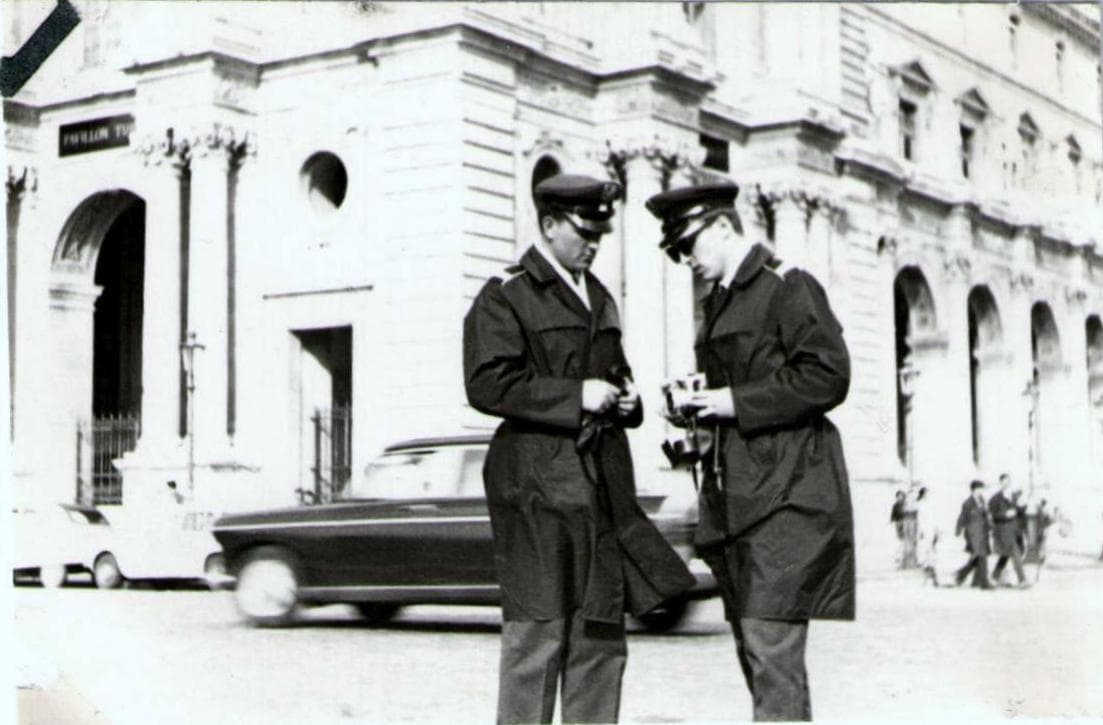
(266, 589)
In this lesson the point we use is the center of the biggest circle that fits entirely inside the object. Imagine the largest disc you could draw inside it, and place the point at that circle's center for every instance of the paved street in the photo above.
(141, 656)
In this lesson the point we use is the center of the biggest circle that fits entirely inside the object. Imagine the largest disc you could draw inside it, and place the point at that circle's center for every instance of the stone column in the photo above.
(643, 315)
(166, 160)
(21, 184)
(1021, 441)
(216, 154)
(1076, 413)
(72, 303)
(791, 216)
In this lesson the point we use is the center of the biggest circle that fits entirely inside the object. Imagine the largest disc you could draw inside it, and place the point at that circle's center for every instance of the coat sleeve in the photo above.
(815, 376)
(499, 376)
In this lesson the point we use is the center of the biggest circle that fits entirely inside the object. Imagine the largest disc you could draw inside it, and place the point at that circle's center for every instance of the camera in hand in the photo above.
(688, 446)
(619, 375)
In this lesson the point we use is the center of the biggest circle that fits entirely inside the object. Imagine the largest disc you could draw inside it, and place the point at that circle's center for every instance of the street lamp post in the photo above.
(1030, 393)
(187, 360)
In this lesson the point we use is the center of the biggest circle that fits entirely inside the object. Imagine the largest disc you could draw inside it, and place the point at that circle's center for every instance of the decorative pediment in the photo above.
(973, 104)
(1028, 129)
(914, 76)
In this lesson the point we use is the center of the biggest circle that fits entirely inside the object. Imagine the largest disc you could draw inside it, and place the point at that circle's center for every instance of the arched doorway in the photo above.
(916, 333)
(1045, 420)
(1094, 330)
(987, 364)
(97, 302)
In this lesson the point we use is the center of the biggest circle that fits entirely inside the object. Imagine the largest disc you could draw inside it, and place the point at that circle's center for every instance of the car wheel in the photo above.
(51, 576)
(666, 616)
(215, 573)
(106, 573)
(376, 612)
(267, 587)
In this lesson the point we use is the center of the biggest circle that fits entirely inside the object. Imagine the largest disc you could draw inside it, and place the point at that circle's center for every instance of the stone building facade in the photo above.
(305, 199)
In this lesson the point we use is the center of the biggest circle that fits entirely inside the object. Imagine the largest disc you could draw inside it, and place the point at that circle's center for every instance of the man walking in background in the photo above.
(1005, 535)
(974, 523)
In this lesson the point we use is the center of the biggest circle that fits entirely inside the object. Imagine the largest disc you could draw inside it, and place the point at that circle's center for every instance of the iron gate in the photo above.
(332, 451)
(100, 441)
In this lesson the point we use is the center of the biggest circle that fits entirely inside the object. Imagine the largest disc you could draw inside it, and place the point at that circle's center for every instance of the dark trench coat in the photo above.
(568, 532)
(782, 508)
(974, 523)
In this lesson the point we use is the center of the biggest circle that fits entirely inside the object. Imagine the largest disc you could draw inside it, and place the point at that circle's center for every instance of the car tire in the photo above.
(376, 612)
(665, 617)
(51, 576)
(267, 587)
(106, 573)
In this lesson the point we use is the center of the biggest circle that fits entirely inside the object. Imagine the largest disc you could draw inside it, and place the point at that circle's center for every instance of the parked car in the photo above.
(54, 540)
(172, 542)
(413, 530)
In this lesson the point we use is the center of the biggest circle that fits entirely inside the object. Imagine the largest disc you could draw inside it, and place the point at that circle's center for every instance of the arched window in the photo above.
(325, 181)
(545, 168)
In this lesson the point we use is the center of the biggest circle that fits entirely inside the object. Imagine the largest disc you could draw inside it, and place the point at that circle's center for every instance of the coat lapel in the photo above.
(539, 268)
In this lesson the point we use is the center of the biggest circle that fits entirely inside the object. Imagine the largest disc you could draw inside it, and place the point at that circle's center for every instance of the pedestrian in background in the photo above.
(1005, 534)
(896, 518)
(926, 532)
(975, 524)
(542, 350)
(911, 527)
(775, 497)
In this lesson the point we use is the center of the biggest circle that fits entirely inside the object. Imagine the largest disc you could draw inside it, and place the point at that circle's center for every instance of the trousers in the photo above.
(977, 564)
(770, 651)
(771, 655)
(584, 660)
(1016, 561)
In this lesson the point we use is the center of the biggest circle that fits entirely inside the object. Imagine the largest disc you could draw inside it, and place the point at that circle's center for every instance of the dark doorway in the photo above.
(325, 410)
(117, 342)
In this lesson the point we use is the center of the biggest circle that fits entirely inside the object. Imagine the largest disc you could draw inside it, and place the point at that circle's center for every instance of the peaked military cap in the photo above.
(685, 212)
(587, 201)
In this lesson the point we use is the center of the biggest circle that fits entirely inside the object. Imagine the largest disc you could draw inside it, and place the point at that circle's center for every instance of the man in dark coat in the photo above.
(573, 550)
(1005, 534)
(776, 523)
(975, 523)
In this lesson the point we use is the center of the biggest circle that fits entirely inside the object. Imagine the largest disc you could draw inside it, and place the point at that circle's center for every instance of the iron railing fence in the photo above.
(100, 440)
(332, 467)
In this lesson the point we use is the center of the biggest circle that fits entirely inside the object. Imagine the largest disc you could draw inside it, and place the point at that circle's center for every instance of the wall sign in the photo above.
(95, 135)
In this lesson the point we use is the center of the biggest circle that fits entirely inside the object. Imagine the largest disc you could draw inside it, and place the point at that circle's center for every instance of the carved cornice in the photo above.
(20, 181)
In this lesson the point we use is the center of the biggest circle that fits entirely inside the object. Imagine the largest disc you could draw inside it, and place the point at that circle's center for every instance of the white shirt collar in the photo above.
(579, 287)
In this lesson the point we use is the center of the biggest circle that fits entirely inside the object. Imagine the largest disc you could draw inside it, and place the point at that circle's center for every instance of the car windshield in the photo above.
(421, 473)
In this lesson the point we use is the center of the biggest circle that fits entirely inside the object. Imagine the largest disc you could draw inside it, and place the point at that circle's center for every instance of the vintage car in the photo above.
(54, 540)
(413, 530)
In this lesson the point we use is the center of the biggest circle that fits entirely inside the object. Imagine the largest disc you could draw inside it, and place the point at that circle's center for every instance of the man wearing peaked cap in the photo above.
(542, 351)
(776, 525)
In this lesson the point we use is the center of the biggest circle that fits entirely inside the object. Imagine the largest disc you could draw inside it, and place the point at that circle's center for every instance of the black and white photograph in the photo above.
(531, 362)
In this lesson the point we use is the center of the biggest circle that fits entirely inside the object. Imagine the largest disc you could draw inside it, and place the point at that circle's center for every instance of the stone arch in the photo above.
(1048, 366)
(95, 316)
(1094, 331)
(917, 335)
(988, 366)
(83, 233)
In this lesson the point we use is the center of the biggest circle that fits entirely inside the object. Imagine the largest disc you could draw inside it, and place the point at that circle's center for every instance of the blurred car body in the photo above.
(414, 530)
(54, 540)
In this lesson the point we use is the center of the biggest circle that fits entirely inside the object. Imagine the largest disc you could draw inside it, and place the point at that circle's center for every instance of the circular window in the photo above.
(326, 182)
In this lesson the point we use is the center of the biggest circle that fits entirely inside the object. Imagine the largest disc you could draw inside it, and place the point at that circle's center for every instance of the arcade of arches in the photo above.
(1031, 407)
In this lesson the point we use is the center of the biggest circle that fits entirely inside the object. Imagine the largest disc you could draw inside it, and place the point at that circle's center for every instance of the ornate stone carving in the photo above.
(178, 148)
(957, 266)
(1076, 296)
(20, 181)
(887, 245)
(664, 157)
(1022, 282)
(552, 95)
(544, 143)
